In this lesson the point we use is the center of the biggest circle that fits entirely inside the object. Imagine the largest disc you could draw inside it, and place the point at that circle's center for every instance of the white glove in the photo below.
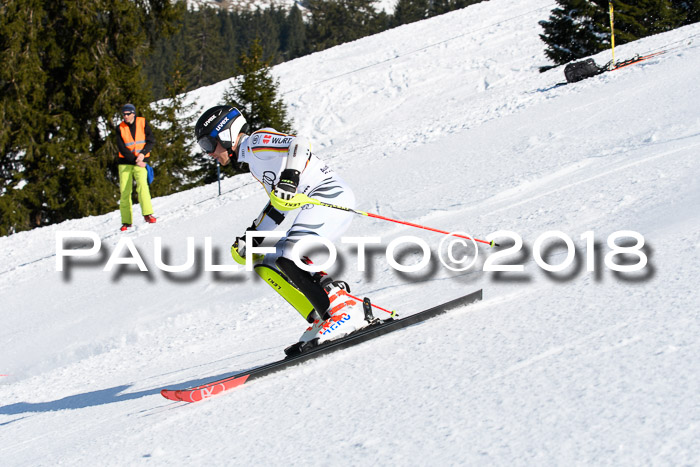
(238, 250)
(287, 187)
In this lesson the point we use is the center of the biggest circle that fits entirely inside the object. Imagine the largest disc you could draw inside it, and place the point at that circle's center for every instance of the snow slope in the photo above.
(447, 123)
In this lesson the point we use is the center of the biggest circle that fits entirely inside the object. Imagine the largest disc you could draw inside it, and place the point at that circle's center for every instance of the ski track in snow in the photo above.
(448, 123)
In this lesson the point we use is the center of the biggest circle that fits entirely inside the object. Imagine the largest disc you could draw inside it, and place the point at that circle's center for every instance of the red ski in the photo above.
(376, 329)
(636, 59)
(204, 391)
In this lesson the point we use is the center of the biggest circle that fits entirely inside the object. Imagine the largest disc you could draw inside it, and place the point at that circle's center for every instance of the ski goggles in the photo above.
(219, 134)
(207, 143)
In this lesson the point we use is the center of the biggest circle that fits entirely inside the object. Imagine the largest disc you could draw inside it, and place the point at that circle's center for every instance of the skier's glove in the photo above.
(238, 250)
(287, 187)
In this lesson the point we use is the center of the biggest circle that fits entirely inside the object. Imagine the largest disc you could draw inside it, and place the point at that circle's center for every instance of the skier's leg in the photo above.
(341, 313)
(291, 294)
(309, 288)
(314, 221)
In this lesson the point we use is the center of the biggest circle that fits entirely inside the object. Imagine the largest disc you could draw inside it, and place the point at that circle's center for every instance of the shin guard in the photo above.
(282, 286)
(303, 281)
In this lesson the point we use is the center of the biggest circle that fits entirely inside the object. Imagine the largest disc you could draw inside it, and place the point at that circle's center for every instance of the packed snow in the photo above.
(446, 123)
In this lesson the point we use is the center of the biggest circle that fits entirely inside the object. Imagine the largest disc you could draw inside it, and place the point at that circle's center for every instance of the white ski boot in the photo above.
(312, 331)
(347, 314)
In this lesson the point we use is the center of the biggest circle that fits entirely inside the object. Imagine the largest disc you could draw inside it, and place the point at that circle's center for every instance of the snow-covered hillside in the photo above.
(446, 123)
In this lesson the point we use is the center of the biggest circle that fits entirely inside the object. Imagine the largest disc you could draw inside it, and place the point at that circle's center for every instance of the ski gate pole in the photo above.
(300, 199)
(612, 33)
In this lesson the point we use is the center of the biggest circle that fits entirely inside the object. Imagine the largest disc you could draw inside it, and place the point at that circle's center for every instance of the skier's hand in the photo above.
(287, 187)
(238, 252)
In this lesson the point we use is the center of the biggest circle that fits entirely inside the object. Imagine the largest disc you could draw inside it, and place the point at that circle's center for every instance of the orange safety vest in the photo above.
(134, 144)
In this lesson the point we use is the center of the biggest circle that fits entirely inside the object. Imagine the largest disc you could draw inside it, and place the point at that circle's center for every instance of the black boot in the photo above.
(304, 281)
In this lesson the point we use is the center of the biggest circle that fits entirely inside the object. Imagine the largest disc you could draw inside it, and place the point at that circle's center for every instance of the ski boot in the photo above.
(346, 313)
(344, 316)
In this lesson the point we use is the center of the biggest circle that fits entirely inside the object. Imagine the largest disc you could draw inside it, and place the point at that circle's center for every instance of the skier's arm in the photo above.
(268, 219)
(297, 156)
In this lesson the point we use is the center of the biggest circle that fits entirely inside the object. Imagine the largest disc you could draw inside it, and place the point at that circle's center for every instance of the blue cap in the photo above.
(128, 108)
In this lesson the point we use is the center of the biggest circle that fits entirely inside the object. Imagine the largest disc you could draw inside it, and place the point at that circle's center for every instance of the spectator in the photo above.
(135, 141)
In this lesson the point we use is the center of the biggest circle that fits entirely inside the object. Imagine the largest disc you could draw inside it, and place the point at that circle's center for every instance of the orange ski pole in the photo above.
(301, 199)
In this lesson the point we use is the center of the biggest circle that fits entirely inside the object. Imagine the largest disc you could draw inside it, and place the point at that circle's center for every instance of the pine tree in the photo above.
(158, 66)
(254, 92)
(642, 18)
(229, 46)
(458, 4)
(574, 30)
(439, 7)
(266, 29)
(688, 9)
(336, 22)
(409, 11)
(293, 42)
(172, 155)
(692, 9)
(22, 95)
(203, 47)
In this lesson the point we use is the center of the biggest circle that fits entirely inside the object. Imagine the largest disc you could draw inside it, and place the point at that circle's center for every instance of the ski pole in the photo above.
(301, 199)
(392, 313)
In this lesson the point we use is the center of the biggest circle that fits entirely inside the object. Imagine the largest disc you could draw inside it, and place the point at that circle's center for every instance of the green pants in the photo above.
(127, 174)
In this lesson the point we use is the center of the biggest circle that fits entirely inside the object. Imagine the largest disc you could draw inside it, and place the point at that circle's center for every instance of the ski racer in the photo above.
(285, 165)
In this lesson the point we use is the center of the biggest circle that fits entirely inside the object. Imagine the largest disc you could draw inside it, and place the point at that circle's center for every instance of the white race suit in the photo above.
(266, 152)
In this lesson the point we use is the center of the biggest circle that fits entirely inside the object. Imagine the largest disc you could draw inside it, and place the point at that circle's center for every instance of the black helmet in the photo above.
(222, 123)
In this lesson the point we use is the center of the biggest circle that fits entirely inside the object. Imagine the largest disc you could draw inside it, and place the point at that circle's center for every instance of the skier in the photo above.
(285, 165)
